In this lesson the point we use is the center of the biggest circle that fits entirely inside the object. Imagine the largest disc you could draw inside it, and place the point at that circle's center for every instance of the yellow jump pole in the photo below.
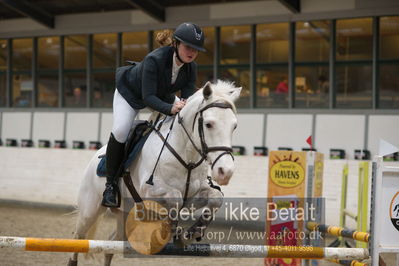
(344, 191)
(339, 231)
(363, 195)
(349, 262)
(212, 250)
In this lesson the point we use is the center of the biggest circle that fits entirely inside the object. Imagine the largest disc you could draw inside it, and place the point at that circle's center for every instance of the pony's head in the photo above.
(213, 126)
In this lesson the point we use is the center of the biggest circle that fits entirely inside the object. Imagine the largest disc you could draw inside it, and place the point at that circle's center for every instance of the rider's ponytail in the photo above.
(164, 38)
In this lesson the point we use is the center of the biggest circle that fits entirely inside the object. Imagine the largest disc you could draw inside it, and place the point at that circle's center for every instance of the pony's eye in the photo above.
(208, 125)
(235, 126)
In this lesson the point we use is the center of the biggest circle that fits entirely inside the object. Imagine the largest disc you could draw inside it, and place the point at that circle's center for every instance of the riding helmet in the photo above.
(190, 34)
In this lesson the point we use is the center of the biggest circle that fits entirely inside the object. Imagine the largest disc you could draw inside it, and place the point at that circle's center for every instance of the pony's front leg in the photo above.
(170, 198)
(211, 200)
(118, 234)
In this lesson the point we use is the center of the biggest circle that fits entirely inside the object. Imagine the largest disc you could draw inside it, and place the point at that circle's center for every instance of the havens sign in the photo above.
(287, 174)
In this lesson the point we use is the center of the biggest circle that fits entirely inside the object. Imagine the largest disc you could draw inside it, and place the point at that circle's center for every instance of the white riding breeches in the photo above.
(123, 117)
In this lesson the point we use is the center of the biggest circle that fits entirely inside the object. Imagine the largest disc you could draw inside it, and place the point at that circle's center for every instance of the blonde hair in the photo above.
(164, 38)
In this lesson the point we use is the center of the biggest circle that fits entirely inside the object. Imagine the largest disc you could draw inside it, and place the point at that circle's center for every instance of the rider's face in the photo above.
(186, 53)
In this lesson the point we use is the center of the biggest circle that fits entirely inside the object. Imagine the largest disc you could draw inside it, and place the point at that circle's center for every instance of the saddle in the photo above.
(137, 137)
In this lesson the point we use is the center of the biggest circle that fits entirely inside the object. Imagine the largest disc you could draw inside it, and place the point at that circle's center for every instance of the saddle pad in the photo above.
(134, 144)
(101, 168)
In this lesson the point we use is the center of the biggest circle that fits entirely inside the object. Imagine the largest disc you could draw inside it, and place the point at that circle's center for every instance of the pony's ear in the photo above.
(234, 93)
(207, 90)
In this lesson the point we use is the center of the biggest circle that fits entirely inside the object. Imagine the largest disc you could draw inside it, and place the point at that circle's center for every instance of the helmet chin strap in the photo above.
(178, 56)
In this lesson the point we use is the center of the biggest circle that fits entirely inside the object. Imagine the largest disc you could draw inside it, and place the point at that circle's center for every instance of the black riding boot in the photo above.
(114, 157)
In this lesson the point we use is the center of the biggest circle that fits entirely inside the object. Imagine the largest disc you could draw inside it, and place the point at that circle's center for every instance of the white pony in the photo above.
(201, 136)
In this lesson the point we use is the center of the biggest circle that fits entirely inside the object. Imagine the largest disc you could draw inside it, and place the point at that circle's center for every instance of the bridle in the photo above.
(203, 151)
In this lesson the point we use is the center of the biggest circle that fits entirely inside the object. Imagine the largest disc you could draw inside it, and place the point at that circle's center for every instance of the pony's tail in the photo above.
(74, 213)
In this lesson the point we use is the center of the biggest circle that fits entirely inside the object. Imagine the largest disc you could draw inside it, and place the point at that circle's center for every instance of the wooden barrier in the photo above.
(213, 250)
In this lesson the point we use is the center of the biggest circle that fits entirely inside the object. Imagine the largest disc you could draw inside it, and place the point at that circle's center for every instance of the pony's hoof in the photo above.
(178, 242)
(195, 232)
(72, 262)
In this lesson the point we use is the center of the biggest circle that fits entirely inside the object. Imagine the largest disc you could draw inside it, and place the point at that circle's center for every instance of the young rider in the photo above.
(151, 83)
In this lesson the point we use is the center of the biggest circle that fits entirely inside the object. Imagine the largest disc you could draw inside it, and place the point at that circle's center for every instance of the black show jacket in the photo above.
(148, 83)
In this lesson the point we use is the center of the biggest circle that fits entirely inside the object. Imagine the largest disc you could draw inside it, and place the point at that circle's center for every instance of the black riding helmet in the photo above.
(190, 34)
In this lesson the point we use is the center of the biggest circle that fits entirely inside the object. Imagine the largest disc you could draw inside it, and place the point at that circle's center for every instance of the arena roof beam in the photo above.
(24, 8)
(293, 5)
(151, 8)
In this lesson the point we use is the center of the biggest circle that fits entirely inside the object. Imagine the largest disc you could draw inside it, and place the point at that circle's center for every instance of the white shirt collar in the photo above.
(175, 66)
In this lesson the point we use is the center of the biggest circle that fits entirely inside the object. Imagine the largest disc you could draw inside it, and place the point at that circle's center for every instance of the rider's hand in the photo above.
(177, 106)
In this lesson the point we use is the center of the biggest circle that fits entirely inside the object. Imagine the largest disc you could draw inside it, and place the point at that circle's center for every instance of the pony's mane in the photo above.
(221, 90)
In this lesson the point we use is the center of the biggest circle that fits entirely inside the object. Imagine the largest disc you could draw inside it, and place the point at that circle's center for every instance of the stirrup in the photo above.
(115, 189)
